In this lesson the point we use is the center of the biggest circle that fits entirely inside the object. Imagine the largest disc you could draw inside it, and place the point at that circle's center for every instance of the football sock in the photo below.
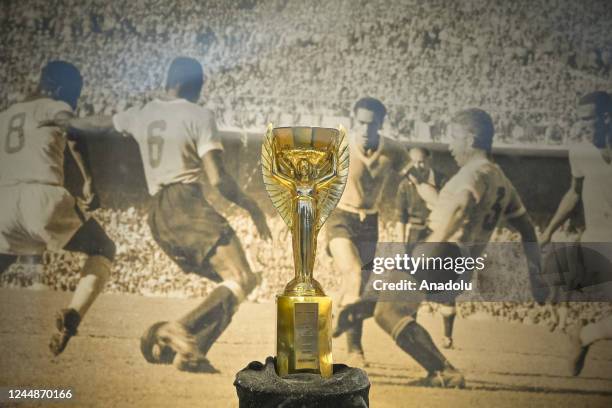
(449, 322)
(94, 275)
(448, 318)
(415, 341)
(211, 317)
(353, 337)
(596, 331)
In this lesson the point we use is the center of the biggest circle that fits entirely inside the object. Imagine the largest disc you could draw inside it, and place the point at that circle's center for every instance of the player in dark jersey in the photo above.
(179, 144)
(352, 229)
(36, 212)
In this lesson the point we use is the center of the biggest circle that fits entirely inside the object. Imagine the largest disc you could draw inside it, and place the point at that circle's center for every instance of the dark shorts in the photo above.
(363, 234)
(569, 268)
(187, 228)
(91, 239)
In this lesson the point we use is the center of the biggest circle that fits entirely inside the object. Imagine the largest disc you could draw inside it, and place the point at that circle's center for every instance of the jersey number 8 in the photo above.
(15, 137)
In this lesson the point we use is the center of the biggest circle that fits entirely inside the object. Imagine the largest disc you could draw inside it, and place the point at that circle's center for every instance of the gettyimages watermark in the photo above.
(411, 264)
(495, 272)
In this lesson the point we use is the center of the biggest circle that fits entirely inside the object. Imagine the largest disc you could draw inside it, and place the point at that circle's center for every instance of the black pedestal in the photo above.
(259, 386)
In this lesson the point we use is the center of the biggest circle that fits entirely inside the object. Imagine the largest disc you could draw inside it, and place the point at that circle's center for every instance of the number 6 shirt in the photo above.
(494, 196)
(172, 137)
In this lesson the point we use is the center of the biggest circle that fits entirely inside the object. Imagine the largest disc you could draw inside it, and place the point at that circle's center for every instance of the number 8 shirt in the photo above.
(494, 198)
(32, 154)
(36, 212)
(172, 137)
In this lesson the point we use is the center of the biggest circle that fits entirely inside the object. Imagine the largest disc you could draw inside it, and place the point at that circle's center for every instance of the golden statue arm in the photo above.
(330, 178)
(278, 174)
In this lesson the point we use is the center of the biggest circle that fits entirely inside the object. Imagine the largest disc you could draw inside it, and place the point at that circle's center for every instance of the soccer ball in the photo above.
(152, 349)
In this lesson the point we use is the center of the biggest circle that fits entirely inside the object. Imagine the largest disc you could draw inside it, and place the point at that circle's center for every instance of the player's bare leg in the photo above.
(92, 240)
(562, 313)
(210, 319)
(399, 320)
(582, 339)
(94, 275)
(348, 263)
(559, 317)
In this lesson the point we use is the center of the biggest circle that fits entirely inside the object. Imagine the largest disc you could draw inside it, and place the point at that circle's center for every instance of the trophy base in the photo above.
(303, 335)
(259, 386)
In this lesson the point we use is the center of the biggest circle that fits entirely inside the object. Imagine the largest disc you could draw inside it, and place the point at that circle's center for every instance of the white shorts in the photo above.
(36, 217)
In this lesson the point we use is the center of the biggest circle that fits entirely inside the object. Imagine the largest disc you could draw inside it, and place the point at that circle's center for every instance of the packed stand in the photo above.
(524, 61)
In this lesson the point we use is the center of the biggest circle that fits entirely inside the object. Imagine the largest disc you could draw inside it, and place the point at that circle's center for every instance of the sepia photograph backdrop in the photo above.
(289, 62)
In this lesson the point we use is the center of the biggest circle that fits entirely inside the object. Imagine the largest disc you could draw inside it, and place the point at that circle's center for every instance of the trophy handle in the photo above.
(278, 185)
(331, 190)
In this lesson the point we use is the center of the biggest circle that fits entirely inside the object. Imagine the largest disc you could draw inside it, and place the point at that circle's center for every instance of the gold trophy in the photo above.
(304, 171)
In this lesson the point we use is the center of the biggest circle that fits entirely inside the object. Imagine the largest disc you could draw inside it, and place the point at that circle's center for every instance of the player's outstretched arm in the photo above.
(90, 199)
(567, 204)
(90, 125)
(225, 183)
(428, 192)
(93, 124)
(456, 212)
(525, 228)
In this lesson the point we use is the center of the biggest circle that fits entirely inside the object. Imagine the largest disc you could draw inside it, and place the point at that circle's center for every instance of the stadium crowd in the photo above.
(524, 61)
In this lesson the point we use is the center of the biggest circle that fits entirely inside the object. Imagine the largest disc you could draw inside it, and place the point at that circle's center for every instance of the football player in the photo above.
(588, 264)
(36, 212)
(179, 144)
(413, 216)
(468, 208)
(411, 208)
(352, 229)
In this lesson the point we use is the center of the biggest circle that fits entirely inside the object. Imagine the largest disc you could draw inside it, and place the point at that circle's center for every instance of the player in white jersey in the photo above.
(481, 191)
(179, 144)
(587, 265)
(352, 229)
(176, 159)
(36, 212)
(486, 196)
(465, 213)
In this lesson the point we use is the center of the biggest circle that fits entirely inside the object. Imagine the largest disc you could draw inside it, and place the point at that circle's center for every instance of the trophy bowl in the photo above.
(313, 144)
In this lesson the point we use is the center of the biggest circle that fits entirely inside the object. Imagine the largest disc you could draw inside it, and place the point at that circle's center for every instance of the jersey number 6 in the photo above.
(155, 141)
